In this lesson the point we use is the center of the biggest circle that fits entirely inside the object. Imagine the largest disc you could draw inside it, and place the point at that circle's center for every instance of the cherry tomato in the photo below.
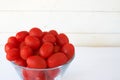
(54, 32)
(33, 42)
(25, 74)
(9, 46)
(57, 59)
(13, 53)
(20, 36)
(49, 38)
(46, 49)
(22, 44)
(35, 32)
(13, 41)
(10, 58)
(62, 39)
(34, 75)
(20, 62)
(53, 73)
(69, 50)
(26, 52)
(57, 48)
(49, 78)
(36, 62)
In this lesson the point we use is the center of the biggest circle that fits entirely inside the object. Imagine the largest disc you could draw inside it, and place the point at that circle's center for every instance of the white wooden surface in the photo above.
(94, 5)
(90, 63)
(86, 22)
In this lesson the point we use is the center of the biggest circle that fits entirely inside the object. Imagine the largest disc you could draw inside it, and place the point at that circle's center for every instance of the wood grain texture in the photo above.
(81, 40)
(70, 22)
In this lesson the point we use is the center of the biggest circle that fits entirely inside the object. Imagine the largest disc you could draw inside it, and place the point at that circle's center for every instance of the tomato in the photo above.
(35, 32)
(46, 49)
(50, 78)
(20, 36)
(53, 73)
(26, 52)
(57, 48)
(57, 59)
(49, 38)
(13, 41)
(54, 32)
(40, 50)
(33, 42)
(62, 39)
(69, 50)
(36, 62)
(9, 46)
(22, 44)
(10, 58)
(36, 53)
(20, 62)
(33, 74)
(13, 53)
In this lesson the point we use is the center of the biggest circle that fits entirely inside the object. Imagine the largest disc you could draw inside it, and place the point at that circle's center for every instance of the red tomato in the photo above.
(35, 32)
(62, 39)
(33, 42)
(69, 50)
(57, 59)
(50, 78)
(53, 73)
(36, 62)
(49, 38)
(14, 53)
(46, 49)
(9, 46)
(26, 52)
(25, 74)
(54, 32)
(10, 58)
(13, 41)
(36, 53)
(20, 62)
(20, 36)
(56, 48)
(22, 44)
(34, 75)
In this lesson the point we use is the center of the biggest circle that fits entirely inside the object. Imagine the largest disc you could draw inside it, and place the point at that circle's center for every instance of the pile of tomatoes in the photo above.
(39, 49)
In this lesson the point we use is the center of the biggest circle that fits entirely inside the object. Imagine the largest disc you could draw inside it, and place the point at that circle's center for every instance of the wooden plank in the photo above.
(70, 22)
(61, 5)
(81, 40)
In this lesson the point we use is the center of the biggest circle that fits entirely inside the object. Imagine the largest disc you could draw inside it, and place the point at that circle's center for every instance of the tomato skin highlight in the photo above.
(46, 49)
(57, 59)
